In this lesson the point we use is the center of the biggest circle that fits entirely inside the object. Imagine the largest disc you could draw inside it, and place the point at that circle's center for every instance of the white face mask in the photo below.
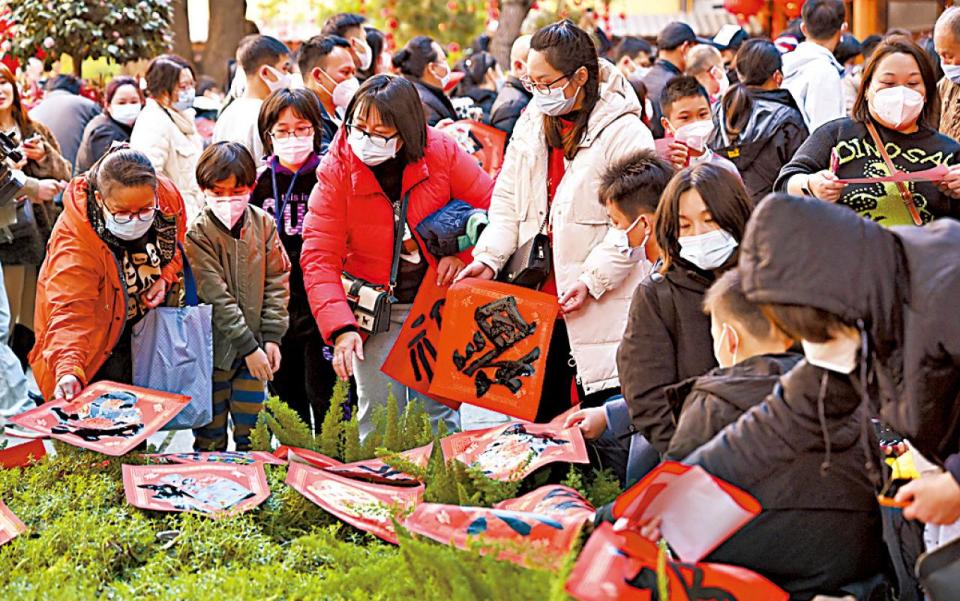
(839, 355)
(724, 328)
(125, 113)
(707, 251)
(293, 150)
(621, 239)
(343, 92)
(952, 72)
(368, 151)
(695, 135)
(897, 106)
(228, 209)
(723, 82)
(554, 103)
(281, 80)
(131, 230)
(445, 79)
(364, 53)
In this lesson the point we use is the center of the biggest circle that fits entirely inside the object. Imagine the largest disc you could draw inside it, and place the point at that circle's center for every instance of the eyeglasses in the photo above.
(541, 88)
(377, 139)
(300, 132)
(125, 217)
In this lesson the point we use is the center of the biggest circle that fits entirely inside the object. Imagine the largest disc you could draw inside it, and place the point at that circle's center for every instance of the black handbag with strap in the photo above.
(530, 264)
(372, 304)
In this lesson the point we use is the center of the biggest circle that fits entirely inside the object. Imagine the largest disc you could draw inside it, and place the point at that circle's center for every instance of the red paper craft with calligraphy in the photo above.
(10, 525)
(22, 454)
(413, 359)
(486, 143)
(107, 417)
(623, 567)
(212, 489)
(306, 456)
(515, 450)
(493, 346)
(553, 500)
(376, 470)
(222, 457)
(364, 505)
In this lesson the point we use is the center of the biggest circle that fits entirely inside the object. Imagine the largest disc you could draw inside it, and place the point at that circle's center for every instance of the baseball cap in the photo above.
(729, 37)
(677, 33)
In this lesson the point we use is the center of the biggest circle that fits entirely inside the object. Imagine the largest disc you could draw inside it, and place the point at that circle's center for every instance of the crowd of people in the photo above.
(720, 215)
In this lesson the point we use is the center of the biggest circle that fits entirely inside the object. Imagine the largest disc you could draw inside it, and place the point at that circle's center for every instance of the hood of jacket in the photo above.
(748, 382)
(771, 108)
(806, 57)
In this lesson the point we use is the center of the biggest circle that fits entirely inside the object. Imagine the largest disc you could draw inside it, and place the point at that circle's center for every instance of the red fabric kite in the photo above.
(364, 505)
(107, 417)
(212, 489)
(10, 525)
(515, 450)
(22, 455)
(493, 346)
(376, 470)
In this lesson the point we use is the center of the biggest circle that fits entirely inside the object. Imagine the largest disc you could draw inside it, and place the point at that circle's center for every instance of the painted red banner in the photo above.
(515, 450)
(10, 525)
(552, 500)
(22, 455)
(377, 470)
(219, 457)
(297, 455)
(107, 417)
(215, 490)
(493, 346)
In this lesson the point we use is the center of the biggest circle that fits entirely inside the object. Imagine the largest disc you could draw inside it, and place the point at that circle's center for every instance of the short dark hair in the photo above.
(204, 84)
(848, 48)
(303, 102)
(870, 44)
(726, 296)
(804, 322)
(260, 50)
(631, 46)
(220, 160)
(398, 104)
(898, 45)
(118, 82)
(124, 168)
(413, 58)
(65, 82)
(317, 48)
(475, 68)
(341, 23)
(635, 183)
(163, 74)
(684, 86)
(722, 193)
(376, 41)
(823, 18)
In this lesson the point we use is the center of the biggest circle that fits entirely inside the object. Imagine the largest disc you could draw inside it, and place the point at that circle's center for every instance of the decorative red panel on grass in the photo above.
(216, 490)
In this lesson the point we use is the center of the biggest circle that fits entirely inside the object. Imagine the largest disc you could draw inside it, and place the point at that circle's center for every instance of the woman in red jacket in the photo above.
(384, 152)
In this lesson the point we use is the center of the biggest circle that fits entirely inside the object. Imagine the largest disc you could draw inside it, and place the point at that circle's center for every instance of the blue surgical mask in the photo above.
(952, 72)
(554, 103)
(185, 99)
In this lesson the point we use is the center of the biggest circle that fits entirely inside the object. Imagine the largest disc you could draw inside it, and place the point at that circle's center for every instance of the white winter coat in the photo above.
(171, 142)
(582, 249)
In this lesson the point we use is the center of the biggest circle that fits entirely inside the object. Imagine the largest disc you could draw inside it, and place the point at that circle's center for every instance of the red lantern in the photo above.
(791, 8)
(392, 23)
(744, 8)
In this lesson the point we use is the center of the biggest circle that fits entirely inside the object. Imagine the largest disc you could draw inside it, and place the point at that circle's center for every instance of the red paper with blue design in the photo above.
(377, 470)
(10, 525)
(212, 489)
(220, 457)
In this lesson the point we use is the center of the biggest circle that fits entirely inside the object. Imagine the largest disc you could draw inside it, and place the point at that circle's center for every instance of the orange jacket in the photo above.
(81, 301)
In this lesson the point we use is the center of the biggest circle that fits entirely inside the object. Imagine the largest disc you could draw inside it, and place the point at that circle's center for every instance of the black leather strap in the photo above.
(398, 240)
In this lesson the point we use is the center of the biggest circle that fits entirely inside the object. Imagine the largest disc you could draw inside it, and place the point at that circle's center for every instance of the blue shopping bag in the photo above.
(173, 352)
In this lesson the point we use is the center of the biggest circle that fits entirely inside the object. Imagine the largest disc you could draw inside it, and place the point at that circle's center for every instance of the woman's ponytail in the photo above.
(737, 105)
(757, 61)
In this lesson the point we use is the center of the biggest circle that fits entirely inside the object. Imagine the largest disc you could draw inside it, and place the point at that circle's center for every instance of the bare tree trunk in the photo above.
(512, 14)
(227, 18)
(181, 31)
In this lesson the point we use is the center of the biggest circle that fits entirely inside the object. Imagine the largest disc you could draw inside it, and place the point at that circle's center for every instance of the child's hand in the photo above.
(273, 355)
(259, 365)
(448, 269)
(592, 422)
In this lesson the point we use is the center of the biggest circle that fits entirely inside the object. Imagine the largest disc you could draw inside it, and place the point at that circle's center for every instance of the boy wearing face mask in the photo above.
(688, 123)
(267, 63)
(242, 270)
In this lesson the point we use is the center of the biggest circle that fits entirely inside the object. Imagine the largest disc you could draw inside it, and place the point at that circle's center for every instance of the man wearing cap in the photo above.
(672, 44)
(728, 41)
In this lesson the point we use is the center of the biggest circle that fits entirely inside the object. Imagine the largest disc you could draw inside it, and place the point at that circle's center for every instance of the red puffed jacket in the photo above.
(349, 225)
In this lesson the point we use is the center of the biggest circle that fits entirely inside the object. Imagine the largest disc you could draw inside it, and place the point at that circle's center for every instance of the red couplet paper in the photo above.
(553, 500)
(297, 455)
(488, 144)
(493, 346)
(413, 359)
(935, 174)
(107, 417)
(364, 505)
(697, 511)
(515, 450)
(377, 470)
(224, 457)
(10, 525)
(22, 455)
(215, 490)
(623, 567)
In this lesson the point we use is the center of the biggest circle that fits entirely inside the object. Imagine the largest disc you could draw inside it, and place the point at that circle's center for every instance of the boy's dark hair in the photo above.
(413, 58)
(65, 82)
(634, 183)
(631, 46)
(722, 193)
(803, 322)
(398, 104)
(220, 160)
(303, 102)
(259, 51)
(163, 74)
(823, 18)
(316, 49)
(726, 297)
(680, 87)
(342, 23)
